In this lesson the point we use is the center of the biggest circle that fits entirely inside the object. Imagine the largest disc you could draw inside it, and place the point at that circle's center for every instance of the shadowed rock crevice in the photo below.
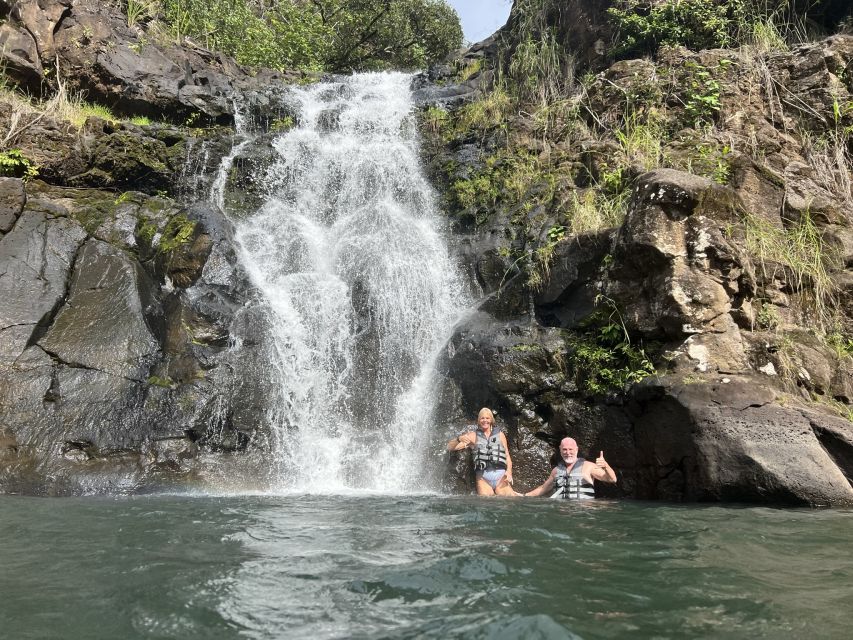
(46, 321)
(837, 440)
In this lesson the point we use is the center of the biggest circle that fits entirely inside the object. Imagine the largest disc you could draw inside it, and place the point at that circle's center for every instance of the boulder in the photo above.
(730, 441)
(20, 57)
(670, 259)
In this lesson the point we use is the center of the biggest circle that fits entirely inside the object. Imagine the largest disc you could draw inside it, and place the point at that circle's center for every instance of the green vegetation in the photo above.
(82, 110)
(163, 240)
(62, 106)
(540, 70)
(703, 95)
(602, 355)
(597, 209)
(139, 10)
(507, 177)
(14, 164)
(841, 343)
(435, 120)
(177, 232)
(806, 260)
(331, 35)
(283, 124)
(157, 381)
(706, 24)
(712, 161)
(470, 70)
(696, 24)
(641, 140)
(767, 316)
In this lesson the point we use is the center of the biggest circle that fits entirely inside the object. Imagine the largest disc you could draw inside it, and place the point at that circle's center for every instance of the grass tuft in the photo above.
(801, 250)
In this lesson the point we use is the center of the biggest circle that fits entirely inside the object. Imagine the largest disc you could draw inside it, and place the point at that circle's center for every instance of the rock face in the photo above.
(688, 341)
(90, 44)
(131, 345)
(732, 442)
(711, 424)
(110, 379)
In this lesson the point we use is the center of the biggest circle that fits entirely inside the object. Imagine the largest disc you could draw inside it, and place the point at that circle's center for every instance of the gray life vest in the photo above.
(490, 453)
(571, 485)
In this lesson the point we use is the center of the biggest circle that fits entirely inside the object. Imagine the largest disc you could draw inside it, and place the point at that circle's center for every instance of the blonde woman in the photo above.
(492, 461)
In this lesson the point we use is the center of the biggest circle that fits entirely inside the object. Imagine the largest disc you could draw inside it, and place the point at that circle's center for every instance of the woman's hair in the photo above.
(486, 412)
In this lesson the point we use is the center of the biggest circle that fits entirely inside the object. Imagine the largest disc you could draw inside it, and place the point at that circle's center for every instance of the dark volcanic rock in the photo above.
(102, 325)
(36, 258)
(730, 441)
(20, 56)
(113, 378)
(12, 200)
(91, 45)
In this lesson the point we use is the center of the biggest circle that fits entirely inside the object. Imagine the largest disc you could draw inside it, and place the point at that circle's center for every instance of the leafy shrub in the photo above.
(703, 96)
(697, 24)
(602, 356)
(332, 35)
(14, 164)
(645, 25)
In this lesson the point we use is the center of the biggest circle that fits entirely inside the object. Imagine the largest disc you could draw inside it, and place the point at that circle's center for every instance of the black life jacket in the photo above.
(571, 485)
(489, 453)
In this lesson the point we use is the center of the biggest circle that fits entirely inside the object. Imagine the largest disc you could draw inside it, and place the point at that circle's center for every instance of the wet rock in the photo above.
(712, 441)
(125, 158)
(102, 326)
(568, 294)
(36, 259)
(12, 201)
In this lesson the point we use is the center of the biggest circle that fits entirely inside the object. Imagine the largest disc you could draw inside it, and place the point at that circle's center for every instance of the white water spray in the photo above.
(349, 255)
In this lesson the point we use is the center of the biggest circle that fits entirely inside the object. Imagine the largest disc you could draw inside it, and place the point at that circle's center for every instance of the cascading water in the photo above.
(349, 255)
(242, 139)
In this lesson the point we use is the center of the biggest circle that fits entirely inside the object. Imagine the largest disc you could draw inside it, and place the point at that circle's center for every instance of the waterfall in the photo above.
(217, 187)
(349, 254)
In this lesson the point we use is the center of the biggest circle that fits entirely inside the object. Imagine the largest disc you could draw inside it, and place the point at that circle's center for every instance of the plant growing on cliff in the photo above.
(702, 103)
(763, 25)
(832, 159)
(804, 257)
(597, 209)
(13, 163)
(641, 139)
(696, 24)
(469, 70)
(138, 10)
(177, 232)
(488, 113)
(601, 354)
(540, 70)
(841, 343)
